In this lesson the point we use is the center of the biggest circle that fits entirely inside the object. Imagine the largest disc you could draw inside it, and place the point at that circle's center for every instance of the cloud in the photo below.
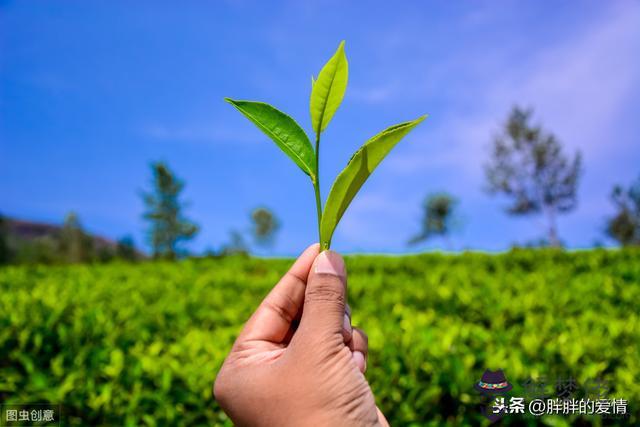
(579, 88)
(582, 86)
(196, 133)
(360, 224)
(371, 95)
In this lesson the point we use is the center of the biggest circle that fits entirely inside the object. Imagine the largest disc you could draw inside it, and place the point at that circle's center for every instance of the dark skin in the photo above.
(295, 367)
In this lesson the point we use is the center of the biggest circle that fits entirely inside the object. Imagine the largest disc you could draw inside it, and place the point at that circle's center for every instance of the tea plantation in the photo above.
(139, 344)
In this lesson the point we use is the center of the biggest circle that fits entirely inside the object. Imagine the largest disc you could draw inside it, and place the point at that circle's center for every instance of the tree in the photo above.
(41, 250)
(624, 226)
(264, 226)
(126, 249)
(76, 246)
(437, 218)
(5, 251)
(528, 165)
(236, 246)
(168, 226)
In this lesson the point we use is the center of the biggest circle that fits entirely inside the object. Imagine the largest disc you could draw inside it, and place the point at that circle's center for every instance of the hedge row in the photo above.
(139, 344)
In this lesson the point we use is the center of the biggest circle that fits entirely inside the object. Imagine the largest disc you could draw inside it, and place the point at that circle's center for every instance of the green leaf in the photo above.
(354, 175)
(328, 90)
(283, 130)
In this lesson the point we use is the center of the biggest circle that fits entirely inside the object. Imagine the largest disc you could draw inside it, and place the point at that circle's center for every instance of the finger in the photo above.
(346, 325)
(381, 419)
(360, 347)
(272, 320)
(324, 300)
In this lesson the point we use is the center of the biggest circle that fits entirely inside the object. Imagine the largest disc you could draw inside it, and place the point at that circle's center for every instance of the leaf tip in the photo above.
(417, 121)
(341, 51)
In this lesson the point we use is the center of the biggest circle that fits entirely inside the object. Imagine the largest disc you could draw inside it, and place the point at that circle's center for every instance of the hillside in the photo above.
(30, 242)
(139, 344)
(21, 230)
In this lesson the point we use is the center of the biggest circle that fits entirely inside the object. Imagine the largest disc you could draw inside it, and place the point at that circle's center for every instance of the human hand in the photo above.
(298, 367)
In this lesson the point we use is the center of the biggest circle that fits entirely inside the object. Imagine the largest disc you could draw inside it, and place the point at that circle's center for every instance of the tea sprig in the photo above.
(326, 96)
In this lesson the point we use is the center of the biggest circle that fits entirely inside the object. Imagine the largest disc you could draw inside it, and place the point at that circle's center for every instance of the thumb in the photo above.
(325, 296)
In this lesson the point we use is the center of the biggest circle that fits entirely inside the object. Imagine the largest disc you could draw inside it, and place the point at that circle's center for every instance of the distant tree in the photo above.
(527, 164)
(264, 226)
(76, 246)
(624, 226)
(437, 218)
(168, 226)
(5, 251)
(236, 246)
(126, 249)
(105, 253)
(41, 250)
(210, 252)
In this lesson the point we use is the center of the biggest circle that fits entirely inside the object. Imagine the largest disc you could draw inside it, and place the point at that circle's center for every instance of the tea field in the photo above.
(139, 344)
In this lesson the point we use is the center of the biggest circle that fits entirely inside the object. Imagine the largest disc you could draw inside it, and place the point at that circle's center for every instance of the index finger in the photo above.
(272, 319)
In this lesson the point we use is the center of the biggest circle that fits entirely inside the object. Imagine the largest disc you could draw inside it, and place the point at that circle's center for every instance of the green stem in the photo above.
(316, 187)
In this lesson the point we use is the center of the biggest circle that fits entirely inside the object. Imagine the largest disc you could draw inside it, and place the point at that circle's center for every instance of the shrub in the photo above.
(127, 344)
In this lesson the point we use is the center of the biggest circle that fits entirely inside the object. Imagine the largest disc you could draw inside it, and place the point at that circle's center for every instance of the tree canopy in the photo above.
(528, 165)
(167, 224)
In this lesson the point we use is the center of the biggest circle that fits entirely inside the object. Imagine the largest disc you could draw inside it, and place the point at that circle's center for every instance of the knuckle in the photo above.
(282, 305)
(363, 335)
(327, 288)
(218, 389)
(221, 388)
(296, 279)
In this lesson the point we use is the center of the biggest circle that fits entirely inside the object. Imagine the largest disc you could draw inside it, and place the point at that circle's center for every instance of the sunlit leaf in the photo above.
(354, 175)
(328, 90)
(282, 129)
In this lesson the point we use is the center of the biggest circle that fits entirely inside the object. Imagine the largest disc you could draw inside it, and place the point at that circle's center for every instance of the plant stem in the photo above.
(316, 187)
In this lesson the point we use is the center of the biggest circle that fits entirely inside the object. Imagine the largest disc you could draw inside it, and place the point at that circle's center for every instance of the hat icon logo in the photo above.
(493, 382)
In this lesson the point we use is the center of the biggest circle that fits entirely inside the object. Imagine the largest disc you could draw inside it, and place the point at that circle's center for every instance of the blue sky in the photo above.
(91, 92)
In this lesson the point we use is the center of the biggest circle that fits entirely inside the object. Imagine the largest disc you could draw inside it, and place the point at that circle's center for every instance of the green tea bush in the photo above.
(125, 344)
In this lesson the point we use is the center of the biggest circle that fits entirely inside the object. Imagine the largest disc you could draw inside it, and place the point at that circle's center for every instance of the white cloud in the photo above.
(371, 95)
(196, 133)
(361, 224)
(578, 87)
(581, 87)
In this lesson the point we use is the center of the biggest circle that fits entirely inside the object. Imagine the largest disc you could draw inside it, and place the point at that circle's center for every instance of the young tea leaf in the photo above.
(328, 90)
(354, 175)
(283, 130)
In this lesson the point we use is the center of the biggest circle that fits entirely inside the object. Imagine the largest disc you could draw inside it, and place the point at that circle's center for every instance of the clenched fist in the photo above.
(298, 361)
